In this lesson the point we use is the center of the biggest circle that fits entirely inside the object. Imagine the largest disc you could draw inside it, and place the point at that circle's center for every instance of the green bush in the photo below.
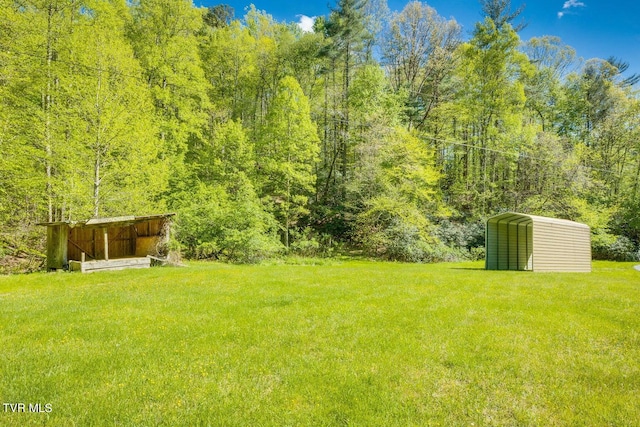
(305, 243)
(477, 253)
(395, 231)
(213, 224)
(460, 235)
(617, 248)
(464, 240)
(623, 249)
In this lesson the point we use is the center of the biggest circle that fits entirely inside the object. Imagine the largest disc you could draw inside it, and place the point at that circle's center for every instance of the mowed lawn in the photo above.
(347, 343)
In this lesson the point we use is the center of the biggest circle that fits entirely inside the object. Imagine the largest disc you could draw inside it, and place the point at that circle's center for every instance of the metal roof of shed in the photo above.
(116, 220)
(509, 217)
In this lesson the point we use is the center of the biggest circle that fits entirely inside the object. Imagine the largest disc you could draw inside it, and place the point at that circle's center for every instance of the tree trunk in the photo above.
(97, 178)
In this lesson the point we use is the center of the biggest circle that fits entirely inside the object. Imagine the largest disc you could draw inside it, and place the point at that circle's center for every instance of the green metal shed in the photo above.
(516, 241)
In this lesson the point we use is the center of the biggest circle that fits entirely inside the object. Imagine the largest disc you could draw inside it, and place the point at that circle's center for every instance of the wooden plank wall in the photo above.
(152, 227)
(122, 240)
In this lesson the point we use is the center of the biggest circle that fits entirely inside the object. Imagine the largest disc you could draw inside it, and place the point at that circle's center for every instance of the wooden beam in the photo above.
(114, 264)
(81, 249)
(105, 231)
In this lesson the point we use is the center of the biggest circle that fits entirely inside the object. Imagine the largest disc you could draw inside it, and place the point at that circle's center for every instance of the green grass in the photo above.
(347, 343)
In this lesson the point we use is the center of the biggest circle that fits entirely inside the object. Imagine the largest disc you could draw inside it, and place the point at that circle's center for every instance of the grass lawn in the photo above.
(347, 343)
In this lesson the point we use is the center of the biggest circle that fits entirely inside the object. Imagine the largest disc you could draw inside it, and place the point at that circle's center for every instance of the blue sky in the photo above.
(594, 28)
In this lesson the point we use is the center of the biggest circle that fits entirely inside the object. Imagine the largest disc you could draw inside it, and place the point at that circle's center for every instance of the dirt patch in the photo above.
(10, 264)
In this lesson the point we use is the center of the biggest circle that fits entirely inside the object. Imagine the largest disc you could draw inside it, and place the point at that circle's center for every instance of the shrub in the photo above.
(460, 235)
(212, 224)
(615, 248)
(305, 243)
(623, 249)
(394, 231)
(477, 253)
(465, 241)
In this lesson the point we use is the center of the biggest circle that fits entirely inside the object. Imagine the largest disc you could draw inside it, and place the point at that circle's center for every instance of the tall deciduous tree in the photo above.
(419, 53)
(394, 219)
(346, 34)
(163, 35)
(34, 37)
(116, 147)
(489, 113)
(552, 60)
(229, 62)
(287, 153)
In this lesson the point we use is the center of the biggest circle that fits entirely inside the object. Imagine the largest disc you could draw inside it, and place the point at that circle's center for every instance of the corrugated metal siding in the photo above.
(503, 246)
(491, 251)
(525, 246)
(528, 242)
(560, 247)
(509, 245)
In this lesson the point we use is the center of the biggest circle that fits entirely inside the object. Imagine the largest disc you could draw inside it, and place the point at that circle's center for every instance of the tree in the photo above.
(214, 224)
(499, 11)
(376, 16)
(78, 78)
(346, 34)
(419, 53)
(488, 115)
(622, 67)
(548, 53)
(35, 35)
(229, 63)
(226, 155)
(286, 155)
(117, 150)
(219, 16)
(163, 35)
(393, 222)
(552, 60)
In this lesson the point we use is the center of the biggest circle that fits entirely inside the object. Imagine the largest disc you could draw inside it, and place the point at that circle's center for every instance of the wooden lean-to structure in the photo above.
(107, 243)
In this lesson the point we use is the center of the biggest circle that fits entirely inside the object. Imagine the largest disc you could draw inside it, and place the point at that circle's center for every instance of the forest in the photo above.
(391, 135)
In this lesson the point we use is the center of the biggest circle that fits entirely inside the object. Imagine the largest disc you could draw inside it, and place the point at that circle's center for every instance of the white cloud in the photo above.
(573, 3)
(306, 23)
(569, 4)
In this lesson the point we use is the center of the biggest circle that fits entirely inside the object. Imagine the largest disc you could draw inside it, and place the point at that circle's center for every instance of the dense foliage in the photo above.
(381, 132)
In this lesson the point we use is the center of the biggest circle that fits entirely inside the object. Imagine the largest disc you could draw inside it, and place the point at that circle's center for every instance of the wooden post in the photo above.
(106, 244)
(82, 257)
